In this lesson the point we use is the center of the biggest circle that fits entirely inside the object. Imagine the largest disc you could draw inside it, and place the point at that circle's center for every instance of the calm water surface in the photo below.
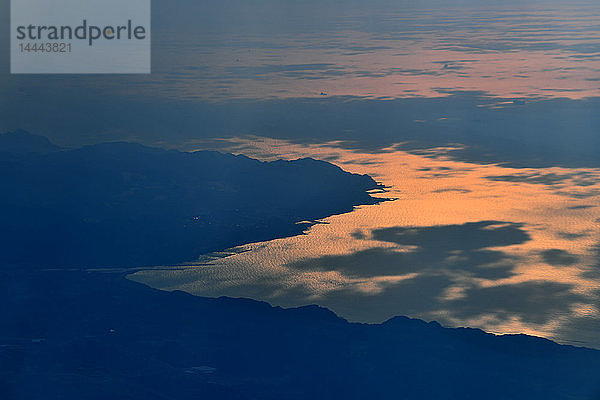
(504, 249)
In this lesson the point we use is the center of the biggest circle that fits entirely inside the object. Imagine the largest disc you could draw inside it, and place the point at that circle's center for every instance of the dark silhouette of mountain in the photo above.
(538, 134)
(81, 335)
(127, 204)
(21, 142)
(72, 333)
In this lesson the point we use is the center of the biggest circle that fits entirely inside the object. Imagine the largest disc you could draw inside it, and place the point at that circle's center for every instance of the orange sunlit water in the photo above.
(511, 51)
(560, 217)
(545, 283)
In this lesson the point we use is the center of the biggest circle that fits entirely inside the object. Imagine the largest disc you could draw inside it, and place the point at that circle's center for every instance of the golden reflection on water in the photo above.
(521, 50)
(553, 272)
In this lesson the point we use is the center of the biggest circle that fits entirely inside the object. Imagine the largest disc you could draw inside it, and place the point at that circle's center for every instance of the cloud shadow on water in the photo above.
(559, 257)
(447, 250)
(537, 302)
(440, 271)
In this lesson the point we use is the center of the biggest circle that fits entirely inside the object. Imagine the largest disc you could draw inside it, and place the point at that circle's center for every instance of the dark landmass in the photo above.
(81, 335)
(70, 333)
(129, 205)
(537, 134)
(23, 142)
